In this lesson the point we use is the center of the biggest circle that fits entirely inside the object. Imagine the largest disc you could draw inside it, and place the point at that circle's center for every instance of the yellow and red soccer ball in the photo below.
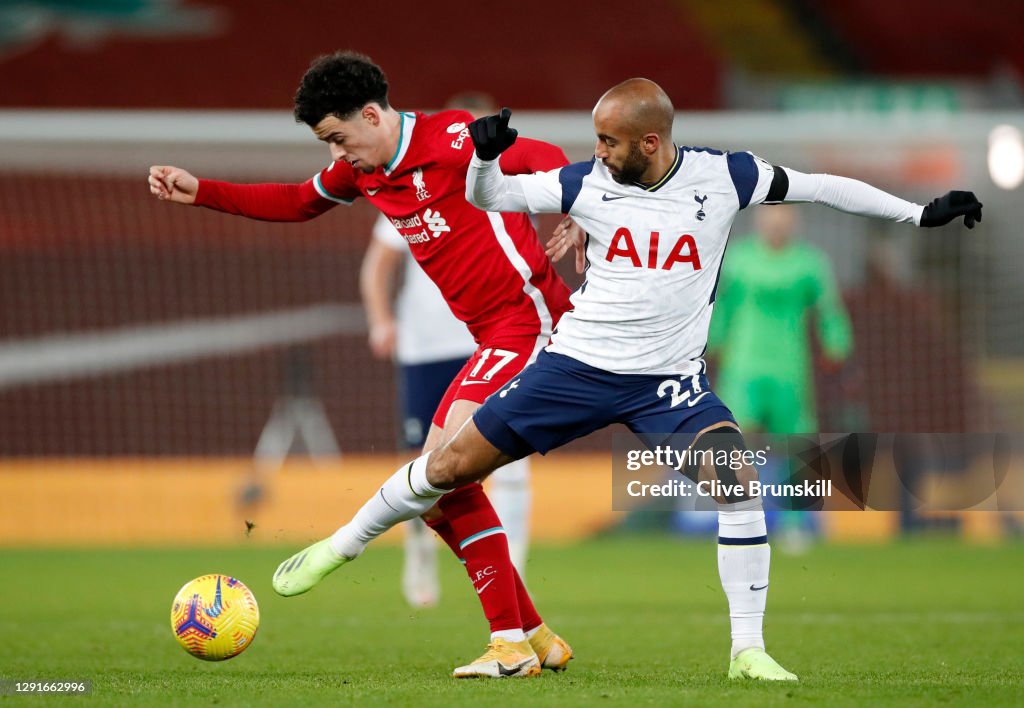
(215, 617)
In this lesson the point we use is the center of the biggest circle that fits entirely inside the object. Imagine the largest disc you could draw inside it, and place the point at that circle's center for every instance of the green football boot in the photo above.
(755, 663)
(305, 569)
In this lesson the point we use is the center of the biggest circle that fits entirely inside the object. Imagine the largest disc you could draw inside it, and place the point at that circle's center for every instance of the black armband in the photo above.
(780, 186)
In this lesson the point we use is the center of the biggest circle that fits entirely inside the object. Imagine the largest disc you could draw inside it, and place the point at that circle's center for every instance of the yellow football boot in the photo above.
(552, 651)
(503, 659)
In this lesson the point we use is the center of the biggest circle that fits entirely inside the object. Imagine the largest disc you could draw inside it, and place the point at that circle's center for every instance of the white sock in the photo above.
(510, 494)
(743, 560)
(420, 583)
(509, 635)
(415, 531)
(405, 495)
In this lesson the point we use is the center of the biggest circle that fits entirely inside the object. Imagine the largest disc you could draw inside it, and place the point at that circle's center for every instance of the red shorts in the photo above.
(492, 366)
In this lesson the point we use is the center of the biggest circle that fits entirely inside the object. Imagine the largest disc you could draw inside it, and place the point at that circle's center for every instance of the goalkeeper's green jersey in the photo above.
(764, 302)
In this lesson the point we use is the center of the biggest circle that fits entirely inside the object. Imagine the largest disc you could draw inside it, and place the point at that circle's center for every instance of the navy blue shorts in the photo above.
(558, 399)
(420, 390)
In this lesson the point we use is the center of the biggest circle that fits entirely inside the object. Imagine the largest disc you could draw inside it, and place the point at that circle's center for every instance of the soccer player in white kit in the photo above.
(657, 219)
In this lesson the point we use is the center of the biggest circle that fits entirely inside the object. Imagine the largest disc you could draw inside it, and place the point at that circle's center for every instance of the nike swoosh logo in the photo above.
(470, 383)
(606, 198)
(691, 402)
(371, 192)
(512, 670)
(758, 588)
(484, 586)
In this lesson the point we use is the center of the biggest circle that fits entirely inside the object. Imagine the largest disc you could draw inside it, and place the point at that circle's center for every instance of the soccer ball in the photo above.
(214, 617)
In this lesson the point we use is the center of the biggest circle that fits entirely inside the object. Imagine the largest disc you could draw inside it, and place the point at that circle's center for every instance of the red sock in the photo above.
(527, 611)
(470, 517)
(531, 618)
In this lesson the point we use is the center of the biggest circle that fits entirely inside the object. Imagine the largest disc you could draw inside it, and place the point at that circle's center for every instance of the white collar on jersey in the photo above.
(404, 138)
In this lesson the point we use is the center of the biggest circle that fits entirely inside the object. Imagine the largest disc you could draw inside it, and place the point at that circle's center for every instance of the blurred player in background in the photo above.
(657, 219)
(772, 287)
(430, 347)
(491, 269)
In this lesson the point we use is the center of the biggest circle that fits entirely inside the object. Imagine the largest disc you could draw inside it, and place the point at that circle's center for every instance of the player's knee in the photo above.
(441, 472)
(448, 468)
(466, 458)
(720, 453)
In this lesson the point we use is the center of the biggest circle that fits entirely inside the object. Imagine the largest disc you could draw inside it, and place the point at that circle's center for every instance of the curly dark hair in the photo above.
(339, 84)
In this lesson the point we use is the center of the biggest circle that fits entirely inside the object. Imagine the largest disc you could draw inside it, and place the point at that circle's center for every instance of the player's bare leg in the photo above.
(744, 557)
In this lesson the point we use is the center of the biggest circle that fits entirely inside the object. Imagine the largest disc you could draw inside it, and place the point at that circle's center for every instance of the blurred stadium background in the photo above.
(158, 364)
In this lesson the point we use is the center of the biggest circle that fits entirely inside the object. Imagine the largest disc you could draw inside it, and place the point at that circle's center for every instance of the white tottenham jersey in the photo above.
(427, 331)
(654, 253)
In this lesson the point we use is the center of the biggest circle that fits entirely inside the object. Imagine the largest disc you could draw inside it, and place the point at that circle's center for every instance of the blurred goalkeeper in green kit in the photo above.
(773, 287)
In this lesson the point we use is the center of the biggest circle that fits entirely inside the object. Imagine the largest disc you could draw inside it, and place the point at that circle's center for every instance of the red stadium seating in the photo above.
(930, 37)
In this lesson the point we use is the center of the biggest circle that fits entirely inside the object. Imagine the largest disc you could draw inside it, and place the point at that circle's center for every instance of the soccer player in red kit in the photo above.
(490, 268)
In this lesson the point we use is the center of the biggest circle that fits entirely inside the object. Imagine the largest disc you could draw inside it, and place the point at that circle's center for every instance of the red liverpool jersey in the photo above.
(490, 267)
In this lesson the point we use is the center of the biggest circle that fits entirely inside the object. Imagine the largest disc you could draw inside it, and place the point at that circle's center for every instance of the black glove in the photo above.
(491, 135)
(951, 206)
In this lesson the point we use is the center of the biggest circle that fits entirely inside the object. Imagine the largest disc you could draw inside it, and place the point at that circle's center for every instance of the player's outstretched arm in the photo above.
(172, 184)
(856, 197)
(266, 202)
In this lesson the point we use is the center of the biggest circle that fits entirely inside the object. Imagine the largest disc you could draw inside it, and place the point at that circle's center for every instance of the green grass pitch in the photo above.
(916, 623)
